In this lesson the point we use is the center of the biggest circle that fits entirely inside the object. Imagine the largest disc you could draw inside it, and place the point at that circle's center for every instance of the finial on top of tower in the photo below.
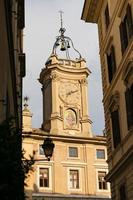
(61, 18)
(26, 98)
(62, 30)
(63, 41)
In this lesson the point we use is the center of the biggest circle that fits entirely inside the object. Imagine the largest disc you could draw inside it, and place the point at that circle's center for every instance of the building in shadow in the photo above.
(12, 70)
(115, 28)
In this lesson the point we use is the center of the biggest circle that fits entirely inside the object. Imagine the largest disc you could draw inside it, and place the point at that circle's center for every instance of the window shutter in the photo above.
(107, 20)
(110, 75)
(113, 60)
(111, 63)
(122, 192)
(115, 128)
(122, 38)
(129, 21)
(129, 106)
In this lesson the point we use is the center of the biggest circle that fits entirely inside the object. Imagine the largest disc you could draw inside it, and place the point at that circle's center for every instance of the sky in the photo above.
(42, 24)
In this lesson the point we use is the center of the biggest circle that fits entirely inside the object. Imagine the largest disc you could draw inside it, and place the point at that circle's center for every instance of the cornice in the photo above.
(69, 70)
(70, 196)
(91, 10)
(61, 69)
(39, 134)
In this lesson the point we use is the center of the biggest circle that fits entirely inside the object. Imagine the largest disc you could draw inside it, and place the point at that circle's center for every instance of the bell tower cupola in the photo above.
(65, 90)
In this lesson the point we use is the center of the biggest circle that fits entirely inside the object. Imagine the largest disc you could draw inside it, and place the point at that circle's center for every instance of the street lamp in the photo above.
(48, 147)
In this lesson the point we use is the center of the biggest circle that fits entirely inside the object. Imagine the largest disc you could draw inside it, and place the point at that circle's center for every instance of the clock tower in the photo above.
(65, 92)
(78, 165)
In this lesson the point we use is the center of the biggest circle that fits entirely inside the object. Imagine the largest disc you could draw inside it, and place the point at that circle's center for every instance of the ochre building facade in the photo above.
(115, 28)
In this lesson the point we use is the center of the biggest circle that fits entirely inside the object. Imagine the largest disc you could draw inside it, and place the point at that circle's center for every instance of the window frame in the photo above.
(102, 189)
(73, 157)
(47, 178)
(100, 149)
(39, 150)
(97, 180)
(79, 177)
(126, 28)
(72, 180)
(113, 106)
(116, 137)
(50, 177)
(111, 63)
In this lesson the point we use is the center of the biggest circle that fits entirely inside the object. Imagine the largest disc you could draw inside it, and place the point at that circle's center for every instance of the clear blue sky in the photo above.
(41, 28)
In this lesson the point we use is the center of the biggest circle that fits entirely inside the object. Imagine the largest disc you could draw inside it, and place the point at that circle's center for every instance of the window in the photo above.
(115, 128)
(122, 192)
(111, 63)
(107, 19)
(74, 179)
(41, 151)
(44, 177)
(126, 29)
(100, 153)
(129, 106)
(73, 152)
(102, 184)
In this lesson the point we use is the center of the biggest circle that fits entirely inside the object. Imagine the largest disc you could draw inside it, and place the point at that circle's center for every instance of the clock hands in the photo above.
(71, 92)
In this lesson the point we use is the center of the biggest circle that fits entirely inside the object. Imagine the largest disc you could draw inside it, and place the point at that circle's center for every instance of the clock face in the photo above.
(69, 92)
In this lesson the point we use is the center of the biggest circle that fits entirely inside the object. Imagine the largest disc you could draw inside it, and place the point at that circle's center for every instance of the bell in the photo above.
(63, 46)
(68, 45)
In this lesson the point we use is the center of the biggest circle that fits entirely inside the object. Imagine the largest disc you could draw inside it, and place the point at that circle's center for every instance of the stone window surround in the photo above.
(113, 105)
(50, 177)
(125, 14)
(127, 76)
(78, 153)
(100, 148)
(68, 178)
(114, 101)
(100, 169)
